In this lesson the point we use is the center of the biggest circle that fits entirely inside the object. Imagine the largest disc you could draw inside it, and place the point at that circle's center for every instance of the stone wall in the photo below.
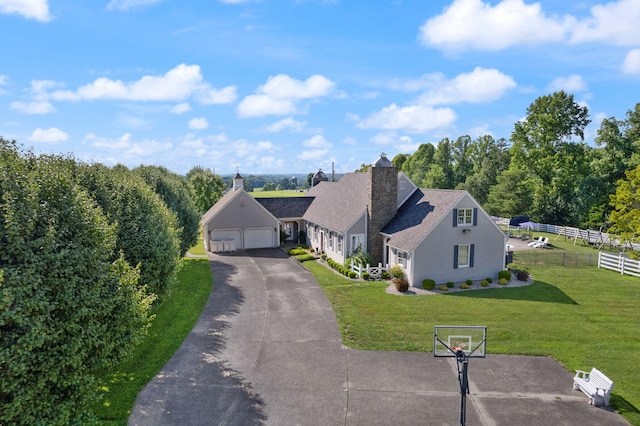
(383, 198)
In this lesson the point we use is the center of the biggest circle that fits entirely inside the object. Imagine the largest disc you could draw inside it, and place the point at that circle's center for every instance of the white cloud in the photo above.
(31, 9)
(35, 107)
(181, 108)
(287, 123)
(198, 123)
(477, 86)
(208, 95)
(474, 24)
(128, 4)
(40, 103)
(572, 84)
(413, 118)
(127, 147)
(615, 22)
(631, 63)
(319, 148)
(280, 95)
(349, 141)
(478, 25)
(4, 79)
(52, 135)
(317, 141)
(176, 85)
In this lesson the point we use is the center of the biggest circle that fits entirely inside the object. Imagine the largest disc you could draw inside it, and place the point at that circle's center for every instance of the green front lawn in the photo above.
(277, 194)
(583, 317)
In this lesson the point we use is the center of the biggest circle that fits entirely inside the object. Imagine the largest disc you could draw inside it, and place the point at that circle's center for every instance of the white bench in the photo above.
(594, 384)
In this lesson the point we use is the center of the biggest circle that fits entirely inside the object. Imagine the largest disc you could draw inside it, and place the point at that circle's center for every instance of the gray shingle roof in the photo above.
(338, 204)
(284, 208)
(419, 215)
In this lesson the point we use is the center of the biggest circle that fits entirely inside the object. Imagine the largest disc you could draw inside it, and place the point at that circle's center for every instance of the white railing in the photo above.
(374, 272)
(619, 263)
(597, 238)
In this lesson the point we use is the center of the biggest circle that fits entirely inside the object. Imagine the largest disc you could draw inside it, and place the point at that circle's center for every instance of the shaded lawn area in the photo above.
(173, 321)
(583, 317)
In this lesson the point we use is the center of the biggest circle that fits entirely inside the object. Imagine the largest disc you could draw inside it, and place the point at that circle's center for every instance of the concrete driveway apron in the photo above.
(267, 350)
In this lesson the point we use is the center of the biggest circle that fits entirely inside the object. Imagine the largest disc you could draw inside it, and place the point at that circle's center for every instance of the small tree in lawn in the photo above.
(625, 217)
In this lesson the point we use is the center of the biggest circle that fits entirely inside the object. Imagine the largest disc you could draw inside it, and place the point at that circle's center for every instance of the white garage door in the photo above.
(227, 236)
(258, 238)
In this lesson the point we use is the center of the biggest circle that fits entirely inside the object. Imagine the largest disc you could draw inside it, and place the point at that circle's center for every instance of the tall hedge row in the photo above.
(84, 251)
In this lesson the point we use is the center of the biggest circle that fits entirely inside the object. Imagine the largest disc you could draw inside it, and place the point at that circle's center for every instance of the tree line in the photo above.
(544, 170)
(86, 251)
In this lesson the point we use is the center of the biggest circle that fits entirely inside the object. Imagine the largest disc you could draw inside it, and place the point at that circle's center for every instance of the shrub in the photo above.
(296, 251)
(402, 285)
(305, 257)
(352, 274)
(469, 282)
(522, 274)
(361, 258)
(443, 288)
(365, 276)
(396, 271)
(428, 284)
(385, 275)
(450, 284)
(504, 274)
(465, 286)
(489, 280)
(503, 281)
(323, 256)
(484, 283)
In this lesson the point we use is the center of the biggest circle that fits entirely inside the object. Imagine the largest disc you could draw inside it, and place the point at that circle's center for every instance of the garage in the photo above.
(258, 238)
(225, 236)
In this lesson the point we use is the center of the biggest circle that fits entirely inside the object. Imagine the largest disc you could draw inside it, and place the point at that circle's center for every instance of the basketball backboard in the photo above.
(449, 339)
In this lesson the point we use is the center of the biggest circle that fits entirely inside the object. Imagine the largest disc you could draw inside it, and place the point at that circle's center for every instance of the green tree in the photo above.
(625, 217)
(285, 184)
(512, 195)
(206, 187)
(66, 307)
(543, 145)
(176, 194)
(461, 155)
(269, 186)
(399, 160)
(147, 231)
(418, 164)
(443, 158)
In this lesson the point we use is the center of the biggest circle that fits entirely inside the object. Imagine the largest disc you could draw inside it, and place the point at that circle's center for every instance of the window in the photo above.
(331, 237)
(315, 233)
(339, 250)
(402, 258)
(357, 242)
(463, 256)
(465, 217)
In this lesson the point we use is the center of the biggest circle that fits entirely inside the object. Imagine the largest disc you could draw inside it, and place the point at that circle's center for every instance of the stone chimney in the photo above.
(238, 182)
(383, 202)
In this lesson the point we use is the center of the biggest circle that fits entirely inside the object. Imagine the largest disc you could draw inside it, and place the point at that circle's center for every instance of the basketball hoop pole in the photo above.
(463, 361)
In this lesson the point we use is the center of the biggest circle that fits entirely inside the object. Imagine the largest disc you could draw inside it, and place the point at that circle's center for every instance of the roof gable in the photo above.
(227, 199)
(337, 205)
(419, 215)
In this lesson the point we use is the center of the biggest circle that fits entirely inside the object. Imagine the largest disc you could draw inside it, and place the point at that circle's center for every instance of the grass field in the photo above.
(174, 319)
(273, 194)
(583, 317)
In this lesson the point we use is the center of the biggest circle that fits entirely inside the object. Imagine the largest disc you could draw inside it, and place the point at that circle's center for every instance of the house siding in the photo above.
(238, 216)
(437, 250)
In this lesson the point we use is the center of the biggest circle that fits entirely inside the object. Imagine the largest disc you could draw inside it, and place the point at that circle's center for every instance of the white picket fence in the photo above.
(374, 271)
(619, 263)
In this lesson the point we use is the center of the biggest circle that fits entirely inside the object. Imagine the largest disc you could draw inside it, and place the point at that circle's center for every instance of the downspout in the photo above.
(366, 230)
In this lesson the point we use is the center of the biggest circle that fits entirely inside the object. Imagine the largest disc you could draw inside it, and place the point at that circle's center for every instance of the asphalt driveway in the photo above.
(267, 350)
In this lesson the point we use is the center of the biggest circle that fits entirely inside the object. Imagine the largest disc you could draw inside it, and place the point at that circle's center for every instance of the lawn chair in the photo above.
(542, 244)
(536, 241)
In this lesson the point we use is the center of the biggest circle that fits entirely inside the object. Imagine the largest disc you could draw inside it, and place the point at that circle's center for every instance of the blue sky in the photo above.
(292, 86)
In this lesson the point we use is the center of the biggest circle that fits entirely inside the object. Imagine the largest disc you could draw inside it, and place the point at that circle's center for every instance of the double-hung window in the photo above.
(463, 256)
(465, 217)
